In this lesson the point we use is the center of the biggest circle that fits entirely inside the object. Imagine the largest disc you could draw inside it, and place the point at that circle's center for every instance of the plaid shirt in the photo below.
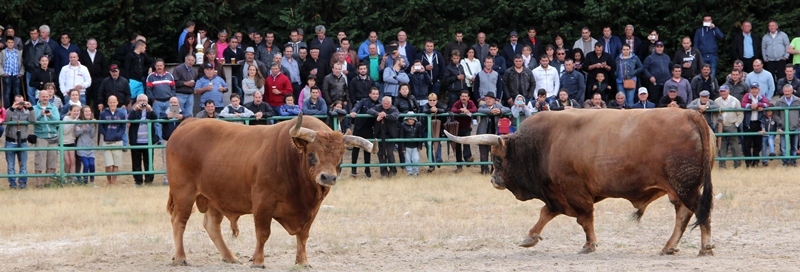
(11, 66)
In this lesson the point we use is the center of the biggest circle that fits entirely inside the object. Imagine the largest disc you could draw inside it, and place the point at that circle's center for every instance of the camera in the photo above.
(46, 111)
(143, 105)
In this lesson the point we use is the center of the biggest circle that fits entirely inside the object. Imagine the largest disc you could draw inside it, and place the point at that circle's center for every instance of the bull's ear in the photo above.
(300, 144)
(499, 149)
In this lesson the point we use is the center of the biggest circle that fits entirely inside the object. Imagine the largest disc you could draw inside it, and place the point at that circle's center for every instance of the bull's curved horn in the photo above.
(300, 132)
(482, 139)
(350, 140)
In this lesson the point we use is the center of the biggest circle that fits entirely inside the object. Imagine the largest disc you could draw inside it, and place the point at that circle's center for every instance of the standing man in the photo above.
(185, 77)
(573, 81)
(789, 100)
(363, 49)
(705, 81)
(586, 42)
(790, 78)
(537, 46)
(211, 86)
(385, 127)
(680, 84)
(634, 42)
(457, 44)
(481, 48)
(74, 76)
(11, 70)
(265, 52)
(16, 137)
(657, 70)
(689, 58)
(406, 50)
(114, 85)
(325, 44)
(519, 81)
(454, 78)
(746, 47)
(598, 62)
(160, 87)
(705, 39)
(135, 68)
(277, 86)
(546, 77)
(730, 121)
(488, 125)
(62, 51)
(393, 77)
(112, 135)
(186, 30)
(611, 43)
(756, 103)
(764, 79)
(773, 46)
(434, 64)
(375, 66)
(487, 80)
(295, 43)
(513, 48)
(463, 106)
(290, 64)
(95, 61)
(33, 50)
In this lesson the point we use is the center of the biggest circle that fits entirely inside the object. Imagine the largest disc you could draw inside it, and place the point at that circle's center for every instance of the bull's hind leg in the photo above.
(211, 222)
(706, 245)
(534, 235)
(181, 209)
(586, 220)
(682, 216)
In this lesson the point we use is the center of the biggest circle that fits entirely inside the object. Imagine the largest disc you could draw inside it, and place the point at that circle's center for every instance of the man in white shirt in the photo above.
(546, 78)
(74, 75)
(730, 123)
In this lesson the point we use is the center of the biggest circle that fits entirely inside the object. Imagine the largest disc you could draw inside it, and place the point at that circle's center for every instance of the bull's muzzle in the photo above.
(326, 180)
(498, 183)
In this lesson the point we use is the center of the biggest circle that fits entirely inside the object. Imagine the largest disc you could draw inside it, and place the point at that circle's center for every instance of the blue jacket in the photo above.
(112, 132)
(628, 68)
(286, 110)
(61, 55)
(45, 130)
(420, 84)
(705, 40)
(658, 66)
(646, 105)
(575, 84)
(614, 46)
(319, 108)
(363, 49)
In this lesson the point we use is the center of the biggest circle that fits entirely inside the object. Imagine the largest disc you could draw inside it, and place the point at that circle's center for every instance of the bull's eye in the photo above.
(312, 159)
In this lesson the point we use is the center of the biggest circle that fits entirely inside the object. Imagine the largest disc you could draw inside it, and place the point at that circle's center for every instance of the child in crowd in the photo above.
(288, 108)
(337, 111)
(411, 129)
(69, 139)
(769, 123)
(541, 101)
(305, 94)
(601, 86)
(74, 99)
(85, 138)
(521, 108)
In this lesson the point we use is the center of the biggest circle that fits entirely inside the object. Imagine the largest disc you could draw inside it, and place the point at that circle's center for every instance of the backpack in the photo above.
(504, 126)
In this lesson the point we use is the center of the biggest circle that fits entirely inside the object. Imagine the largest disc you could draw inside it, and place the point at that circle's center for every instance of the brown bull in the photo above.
(573, 159)
(280, 172)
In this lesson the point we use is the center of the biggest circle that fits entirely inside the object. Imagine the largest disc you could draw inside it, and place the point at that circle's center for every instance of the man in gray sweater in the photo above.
(16, 137)
(773, 48)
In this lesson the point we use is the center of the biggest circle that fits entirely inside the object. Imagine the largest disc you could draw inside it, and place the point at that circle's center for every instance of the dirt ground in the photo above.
(437, 222)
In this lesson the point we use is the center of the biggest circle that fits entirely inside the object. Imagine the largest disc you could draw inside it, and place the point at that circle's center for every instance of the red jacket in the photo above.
(284, 86)
(464, 122)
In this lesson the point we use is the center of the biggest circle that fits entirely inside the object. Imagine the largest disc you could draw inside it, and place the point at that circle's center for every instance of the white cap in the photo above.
(642, 90)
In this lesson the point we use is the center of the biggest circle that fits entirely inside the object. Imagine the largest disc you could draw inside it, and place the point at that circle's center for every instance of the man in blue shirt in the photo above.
(705, 39)
(189, 29)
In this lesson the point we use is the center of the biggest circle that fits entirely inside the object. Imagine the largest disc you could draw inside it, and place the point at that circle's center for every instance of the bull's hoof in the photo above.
(231, 261)
(179, 262)
(262, 266)
(670, 251)
(707, 251)
(588, 248)
(530, 241)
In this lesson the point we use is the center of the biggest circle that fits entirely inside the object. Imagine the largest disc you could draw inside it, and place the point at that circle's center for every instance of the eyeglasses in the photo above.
(561, 54)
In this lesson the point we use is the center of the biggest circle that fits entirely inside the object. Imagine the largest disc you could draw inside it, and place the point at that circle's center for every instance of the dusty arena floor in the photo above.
(437, 222)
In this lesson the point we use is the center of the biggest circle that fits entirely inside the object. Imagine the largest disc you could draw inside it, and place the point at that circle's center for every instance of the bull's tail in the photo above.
(703, 212)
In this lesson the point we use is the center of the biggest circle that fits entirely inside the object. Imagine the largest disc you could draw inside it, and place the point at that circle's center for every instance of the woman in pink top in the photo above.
(222, 43)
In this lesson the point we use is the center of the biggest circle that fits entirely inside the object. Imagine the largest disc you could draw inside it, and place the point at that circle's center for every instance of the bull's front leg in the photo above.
(586, 221)
(534, 235)
(302, 259)
(263, 219)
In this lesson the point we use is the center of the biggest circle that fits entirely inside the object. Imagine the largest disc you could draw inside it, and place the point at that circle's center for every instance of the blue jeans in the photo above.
(83, 99)
(796, 71)
(187, 103)
(412, 156)
(31, 90)
(22, 158)
(11, 88)
(88, 167)
(125, 136)
(629, 93)
(711, 60)
(767, 145)
(793, 140)
(159, 107)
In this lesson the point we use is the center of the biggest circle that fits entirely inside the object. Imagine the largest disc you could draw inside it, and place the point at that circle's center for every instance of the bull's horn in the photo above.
(355, 141)
(482, 139)
(300, 132)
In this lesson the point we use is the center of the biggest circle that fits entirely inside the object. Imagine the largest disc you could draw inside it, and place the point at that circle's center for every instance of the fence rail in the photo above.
(428, 141)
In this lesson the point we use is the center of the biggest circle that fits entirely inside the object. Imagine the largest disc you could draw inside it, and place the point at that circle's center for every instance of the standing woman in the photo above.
(69, 138)
(41, 76)
(211, 57)
(84, 134)
(471, 67)
(254, 82)
(628, 68)
(189, 43)
(550, 50)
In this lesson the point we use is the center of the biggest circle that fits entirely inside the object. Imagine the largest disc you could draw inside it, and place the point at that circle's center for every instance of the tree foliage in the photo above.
(113, 21)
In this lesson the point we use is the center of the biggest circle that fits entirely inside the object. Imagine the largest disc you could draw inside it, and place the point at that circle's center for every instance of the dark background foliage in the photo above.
(113, 21)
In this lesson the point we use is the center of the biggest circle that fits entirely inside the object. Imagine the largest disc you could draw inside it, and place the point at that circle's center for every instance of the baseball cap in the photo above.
(724, 88)
(705, 93)
(250, 50)
(114, 68)
(754, 85)
(513, 33)
(672, 88)
(208, 65)
(660, 43)
(642, 90)
(490, 94)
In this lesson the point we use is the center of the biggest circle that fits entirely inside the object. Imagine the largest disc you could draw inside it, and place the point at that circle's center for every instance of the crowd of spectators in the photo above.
(337, 77)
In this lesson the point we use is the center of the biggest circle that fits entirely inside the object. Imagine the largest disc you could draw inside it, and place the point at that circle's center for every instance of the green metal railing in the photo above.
(428, 142)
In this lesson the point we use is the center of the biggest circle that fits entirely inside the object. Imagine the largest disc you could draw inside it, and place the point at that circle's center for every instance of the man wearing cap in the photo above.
(250, 59)
(11, 70)
(488, 124)
(789, 100)
(756, 103)
(513, 48)
(730, 121)
(763, 77)
(683, 87)
(9, 32)
(643, 103)
(705, 81)
(672, 99)
(707, 107)
(598, 62)
(185, 76)
(325, 45)
(586, 42)
(211, 87)
(114, 85)
(657, 70)
(295, 42)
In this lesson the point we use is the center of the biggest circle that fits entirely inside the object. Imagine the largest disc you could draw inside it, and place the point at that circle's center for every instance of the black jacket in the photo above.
(169, 127)
(412, 131)
(122, 51)
(310, 64)
(39, 77)
(228, 54)
(665, 100)
(31, 54)
(737, 47)
(135, 66)
(97, 69)
(438, 63)
(420, 84)
(363, 107)
(117, 87)
(263, 108)
(133, 130)
(450, 78)
(386, 128)
(359, 88)
(406, 104)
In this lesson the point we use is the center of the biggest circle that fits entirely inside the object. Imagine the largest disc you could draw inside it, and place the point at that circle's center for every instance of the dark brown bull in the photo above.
(573, 159)
(280, 172)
